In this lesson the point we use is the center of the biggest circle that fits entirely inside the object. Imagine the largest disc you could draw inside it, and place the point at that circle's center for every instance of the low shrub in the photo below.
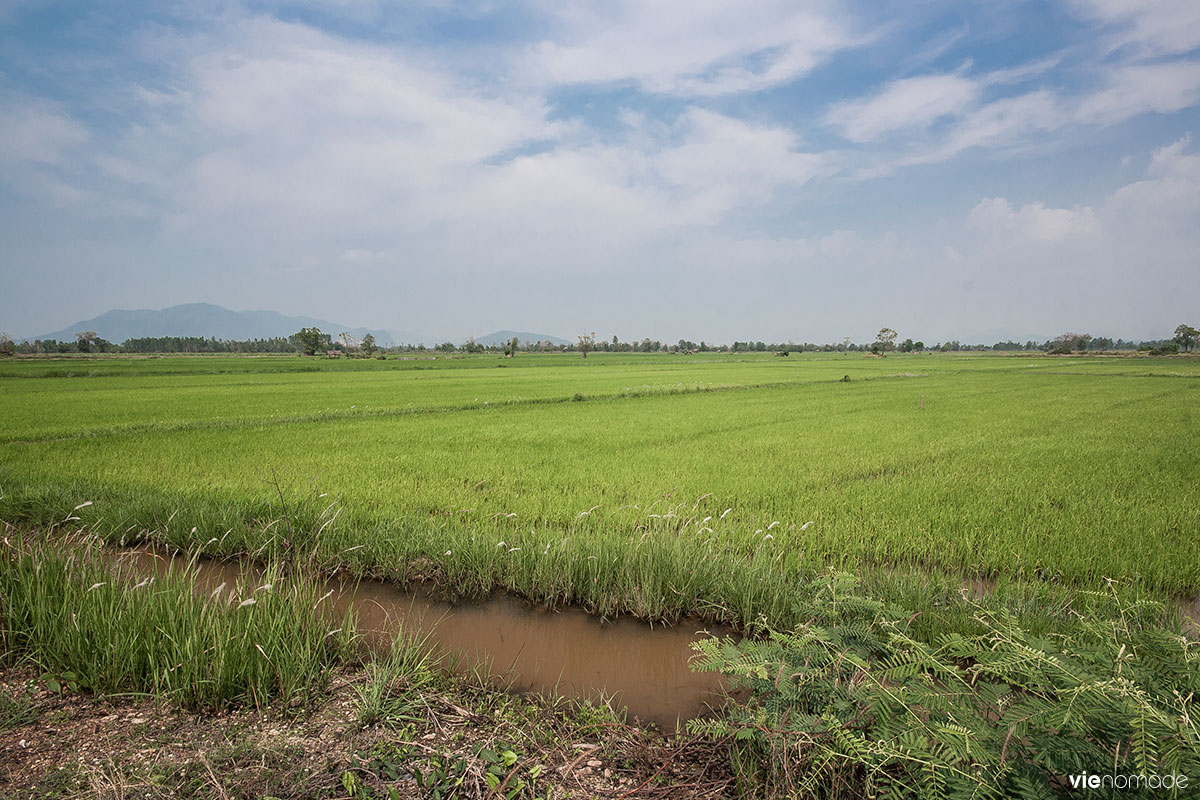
(851, 705)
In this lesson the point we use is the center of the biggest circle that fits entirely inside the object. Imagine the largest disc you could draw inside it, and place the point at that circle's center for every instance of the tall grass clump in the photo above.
(64, 610)
(392, 692)
(852, 705)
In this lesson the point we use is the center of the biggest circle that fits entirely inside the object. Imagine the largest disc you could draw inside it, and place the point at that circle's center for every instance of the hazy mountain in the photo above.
(209, 321)
(504, 337)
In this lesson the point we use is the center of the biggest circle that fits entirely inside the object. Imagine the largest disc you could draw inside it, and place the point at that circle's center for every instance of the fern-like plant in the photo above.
(852, 705)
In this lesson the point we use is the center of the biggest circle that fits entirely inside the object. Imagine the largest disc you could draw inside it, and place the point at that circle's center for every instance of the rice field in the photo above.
(649, 484)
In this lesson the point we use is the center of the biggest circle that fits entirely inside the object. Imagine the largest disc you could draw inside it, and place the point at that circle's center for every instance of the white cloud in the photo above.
(1008, 123)
(37, 131)
(296, 85)
(1019, 121)
(995, 216)
(1168, 199)
(1171, 161)
(943, 115)
(1133, 89)
(587, 208)
(904, 104)
(723, 163)
(938, 116)
(1002, 123)
(297, 150)
(688, 47)
(1122, 266)
(1150, 27)
(282, 126)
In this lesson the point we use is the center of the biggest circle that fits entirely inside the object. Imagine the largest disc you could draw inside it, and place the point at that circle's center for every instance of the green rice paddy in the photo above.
(649, 484)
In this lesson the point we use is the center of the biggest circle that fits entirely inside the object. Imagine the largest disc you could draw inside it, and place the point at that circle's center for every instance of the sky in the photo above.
(696, 169)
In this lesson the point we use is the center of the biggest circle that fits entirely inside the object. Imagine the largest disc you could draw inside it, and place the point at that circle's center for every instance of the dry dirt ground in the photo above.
(462, 741)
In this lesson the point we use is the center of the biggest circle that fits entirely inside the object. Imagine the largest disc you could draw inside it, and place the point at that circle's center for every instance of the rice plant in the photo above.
(710, 487)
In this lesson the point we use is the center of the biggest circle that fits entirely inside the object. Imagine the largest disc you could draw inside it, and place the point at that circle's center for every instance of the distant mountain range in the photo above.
(211, 321)
(501, 338)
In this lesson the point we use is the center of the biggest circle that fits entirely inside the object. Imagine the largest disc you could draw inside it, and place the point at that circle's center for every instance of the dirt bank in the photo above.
(71, 744)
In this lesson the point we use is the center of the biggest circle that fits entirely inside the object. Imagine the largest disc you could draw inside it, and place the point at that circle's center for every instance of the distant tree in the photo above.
(587, 341)
(85, 339)
(446, 347)
(1068, 343)
(6, 345)
(368, 344)
(510, 350)
(1186, 336)
(310, 340)
(906, 346)
(918, 346)
(884, 340)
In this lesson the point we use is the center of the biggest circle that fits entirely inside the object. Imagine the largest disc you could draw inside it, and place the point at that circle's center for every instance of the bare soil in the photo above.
(72, 744)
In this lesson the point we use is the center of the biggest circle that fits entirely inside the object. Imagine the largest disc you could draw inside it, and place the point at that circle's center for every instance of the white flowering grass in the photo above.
(66, 611)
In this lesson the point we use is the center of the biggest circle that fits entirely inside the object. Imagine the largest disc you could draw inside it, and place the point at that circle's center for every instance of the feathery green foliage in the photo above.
(851, 705)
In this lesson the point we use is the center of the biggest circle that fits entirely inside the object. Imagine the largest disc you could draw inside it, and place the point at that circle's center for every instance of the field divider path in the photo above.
(386, 413)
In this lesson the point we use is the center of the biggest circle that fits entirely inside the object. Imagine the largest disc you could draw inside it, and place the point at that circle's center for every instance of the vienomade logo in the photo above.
(1085, 780)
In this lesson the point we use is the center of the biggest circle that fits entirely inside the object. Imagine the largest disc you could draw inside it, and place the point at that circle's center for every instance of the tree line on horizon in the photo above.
(312, 341)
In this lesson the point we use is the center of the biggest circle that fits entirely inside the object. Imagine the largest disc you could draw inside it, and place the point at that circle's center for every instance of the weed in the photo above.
(392, 692)
(88, 627)
(18, 710)
(441, 777)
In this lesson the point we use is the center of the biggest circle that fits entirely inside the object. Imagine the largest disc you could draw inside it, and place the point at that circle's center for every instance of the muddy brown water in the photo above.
(529, 648)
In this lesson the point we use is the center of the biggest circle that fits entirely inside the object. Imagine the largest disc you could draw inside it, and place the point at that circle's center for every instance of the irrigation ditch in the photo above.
(857, 701)
(523, 646)
(127, 672)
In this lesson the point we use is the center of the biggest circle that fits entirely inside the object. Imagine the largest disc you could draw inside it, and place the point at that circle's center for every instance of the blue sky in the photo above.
(708, 170)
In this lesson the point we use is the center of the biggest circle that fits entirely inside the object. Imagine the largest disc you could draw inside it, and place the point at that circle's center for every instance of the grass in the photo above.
(85, 625)
(711, 485)
(393, 690)
(17, 710)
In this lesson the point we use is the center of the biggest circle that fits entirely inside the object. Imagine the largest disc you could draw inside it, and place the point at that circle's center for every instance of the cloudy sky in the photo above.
(693, 168)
